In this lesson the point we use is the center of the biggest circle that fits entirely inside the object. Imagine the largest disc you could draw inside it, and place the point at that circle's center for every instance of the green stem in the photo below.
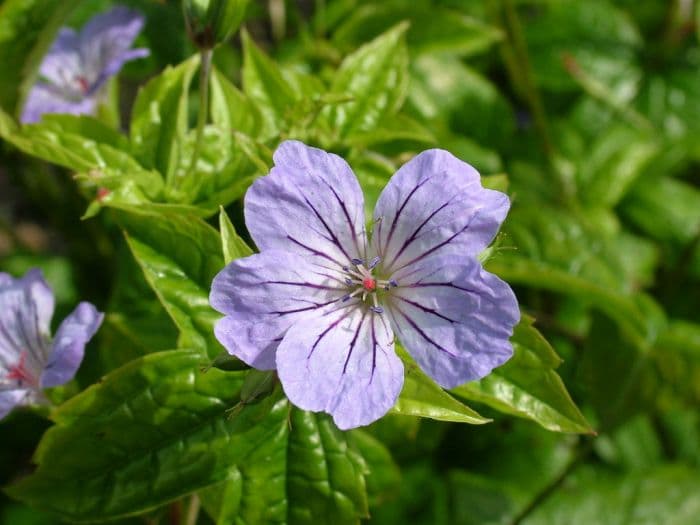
(545, 493)
(193, 510)
(523, 74)
(204, 76)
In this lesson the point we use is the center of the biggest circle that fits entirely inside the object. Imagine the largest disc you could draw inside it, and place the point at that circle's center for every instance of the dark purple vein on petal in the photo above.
(354, 341)
(374, 350)
(314, 251)
(414, 235)
(323, 334)
(303, 285)
(316, 306)
(351, 225)
(421, 284)
(398, 213)
(425, 308)
(425, 336)
(437, 246)
(334, 237)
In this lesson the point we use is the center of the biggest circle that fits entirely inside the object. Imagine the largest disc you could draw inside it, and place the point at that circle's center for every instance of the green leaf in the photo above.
(599, 37)
(159, 118)
(155, 430)
(79, 143)
(666, 494)
(611, 165)
(396, 128)
(376, 77)
(230, 109)
(384, 476)
(232, 245)
(311, 475)
(227, 165)
(422, 397)
(664, 208)
(449, 30)
(27, 30)
(179, 256)
(264, 83)
(528, 386)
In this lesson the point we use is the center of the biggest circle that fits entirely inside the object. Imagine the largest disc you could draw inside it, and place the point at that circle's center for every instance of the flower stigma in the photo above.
(364, 284)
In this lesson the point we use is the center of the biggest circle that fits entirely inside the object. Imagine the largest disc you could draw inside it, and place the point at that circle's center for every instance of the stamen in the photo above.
(376, 308)
(357, 262)
(374, 262)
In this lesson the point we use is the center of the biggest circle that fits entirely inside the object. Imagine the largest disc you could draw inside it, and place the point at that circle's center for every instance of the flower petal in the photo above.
(62, 64)
(9, 399)
(105, 43)
(26, 308)
(342, 363)
(69, 344)
(435, 204)
(43, 99)
(310, 204)
(454, 318)
(262, 295)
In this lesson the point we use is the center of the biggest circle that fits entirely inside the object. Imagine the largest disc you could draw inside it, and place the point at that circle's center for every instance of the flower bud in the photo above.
(211, 22)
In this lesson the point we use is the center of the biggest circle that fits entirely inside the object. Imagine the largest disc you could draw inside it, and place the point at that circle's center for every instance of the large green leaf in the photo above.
(528, 385)
(666, 494)
(232, 246)
(376, 78)
(448, 31)
(27, 30)
(665, 209)
(179, 255)
(159, 119)
(264, 83)
(311, 475)
(422, 397)
(149, 433)
(230, 109)
(600, 38)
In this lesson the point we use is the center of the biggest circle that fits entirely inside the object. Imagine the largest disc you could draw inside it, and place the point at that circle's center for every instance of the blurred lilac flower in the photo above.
(322, 303)
(29, 359)
(79, 64)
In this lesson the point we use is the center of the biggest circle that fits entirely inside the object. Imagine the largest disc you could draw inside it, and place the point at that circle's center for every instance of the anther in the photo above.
(377, 309)
(348, 281)
(374, 262)
(357, 262)
(393, 283)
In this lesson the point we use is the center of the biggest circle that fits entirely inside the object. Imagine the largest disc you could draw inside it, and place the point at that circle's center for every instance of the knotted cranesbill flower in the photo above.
(29, 360)
(79, 64)
(323, 301)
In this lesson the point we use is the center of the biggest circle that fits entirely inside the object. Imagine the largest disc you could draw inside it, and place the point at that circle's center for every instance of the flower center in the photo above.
(21, 373)
(364, 285)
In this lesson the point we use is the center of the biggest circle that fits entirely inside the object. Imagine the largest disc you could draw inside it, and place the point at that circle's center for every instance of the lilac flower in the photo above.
(323, 302)
(79, 64)
(29, 360)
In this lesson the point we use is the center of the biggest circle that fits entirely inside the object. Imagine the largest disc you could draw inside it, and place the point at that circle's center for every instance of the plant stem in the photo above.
(193, 510)
(204, 75)
(522, 71)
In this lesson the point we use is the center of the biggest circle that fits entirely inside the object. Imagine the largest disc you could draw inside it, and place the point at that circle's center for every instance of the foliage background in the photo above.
(586, 113)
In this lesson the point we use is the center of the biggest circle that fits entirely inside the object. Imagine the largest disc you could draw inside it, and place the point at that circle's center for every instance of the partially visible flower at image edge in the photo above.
(78, 65)
(30, 360)
(323, 300)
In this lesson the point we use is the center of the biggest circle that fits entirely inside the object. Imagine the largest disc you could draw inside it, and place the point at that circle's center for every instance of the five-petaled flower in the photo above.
(29, 360)
(323, 301)
(79, 64)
